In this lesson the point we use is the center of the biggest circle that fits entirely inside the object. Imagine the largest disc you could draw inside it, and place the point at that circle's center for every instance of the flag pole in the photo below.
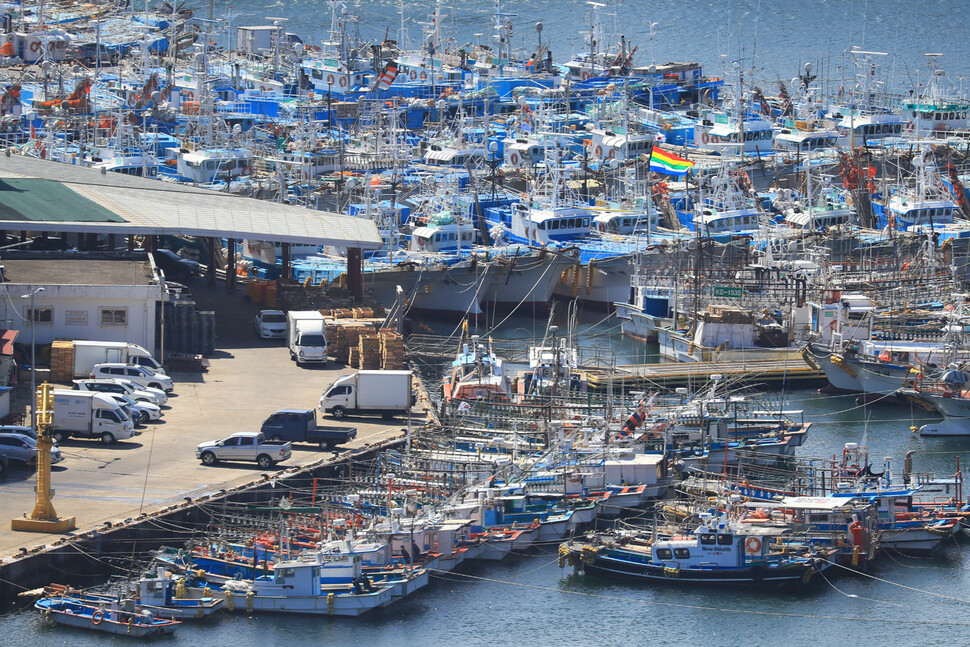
(649, 194)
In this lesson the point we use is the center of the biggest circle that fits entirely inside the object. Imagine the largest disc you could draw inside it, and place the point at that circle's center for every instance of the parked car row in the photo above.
(110, 402)
(105, 406)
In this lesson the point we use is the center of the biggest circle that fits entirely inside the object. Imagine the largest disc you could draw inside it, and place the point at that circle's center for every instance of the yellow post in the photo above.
(44, 518)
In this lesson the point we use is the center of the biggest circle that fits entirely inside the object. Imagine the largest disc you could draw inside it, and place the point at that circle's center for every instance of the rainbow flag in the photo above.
(667, 163)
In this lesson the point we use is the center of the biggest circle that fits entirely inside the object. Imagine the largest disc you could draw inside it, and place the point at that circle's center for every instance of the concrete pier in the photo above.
(113, 490)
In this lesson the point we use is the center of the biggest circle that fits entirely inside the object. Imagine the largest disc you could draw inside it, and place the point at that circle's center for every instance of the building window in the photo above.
(114, 316)
(43, 315)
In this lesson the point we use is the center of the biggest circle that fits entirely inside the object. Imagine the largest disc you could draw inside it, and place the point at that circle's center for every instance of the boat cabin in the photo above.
(732, 222)
(446, 156)
(623, 222)
(545, 226)
(803, 141)
(209, 165)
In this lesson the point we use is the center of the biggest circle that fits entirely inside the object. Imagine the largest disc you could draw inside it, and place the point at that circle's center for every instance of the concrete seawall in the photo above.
(90, 558)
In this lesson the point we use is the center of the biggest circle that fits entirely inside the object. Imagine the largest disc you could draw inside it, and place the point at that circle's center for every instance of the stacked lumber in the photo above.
(62, 360)
(343, 334)
(392, 350)
(369, 348)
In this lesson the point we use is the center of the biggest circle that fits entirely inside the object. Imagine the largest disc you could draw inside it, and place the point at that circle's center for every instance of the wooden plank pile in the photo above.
(392, 350)
(369, 351)
(344, 334)
(62, 360)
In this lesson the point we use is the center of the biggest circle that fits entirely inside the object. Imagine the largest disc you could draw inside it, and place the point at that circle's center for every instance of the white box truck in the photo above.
(89, 353)
(383, 392)
(306, 336)
(86, 414)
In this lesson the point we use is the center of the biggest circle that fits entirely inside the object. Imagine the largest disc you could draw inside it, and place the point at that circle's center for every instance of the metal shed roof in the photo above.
(133, 205)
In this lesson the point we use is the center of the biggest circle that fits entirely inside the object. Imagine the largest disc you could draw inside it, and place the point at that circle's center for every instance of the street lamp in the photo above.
(33, 358)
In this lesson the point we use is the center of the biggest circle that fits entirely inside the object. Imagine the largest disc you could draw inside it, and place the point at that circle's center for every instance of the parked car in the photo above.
(244, 446)
(160, 396)
(270, 324)
(141, 412)
(17, 429)
(124, 387)
(18, 447)
(136, 374)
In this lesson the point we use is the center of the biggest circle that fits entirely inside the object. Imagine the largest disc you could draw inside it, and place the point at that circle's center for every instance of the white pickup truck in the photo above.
(243, 446)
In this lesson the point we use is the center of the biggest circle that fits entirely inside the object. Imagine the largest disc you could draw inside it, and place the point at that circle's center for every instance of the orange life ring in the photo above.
(188, 96)
(414, 75)
(752, 544)
(585, 75)
(343, 81)
(612, 154)
(514, 159)
(35, 46)
(97, 616)
(706, 138)
(598, 151)
(330, 79)
(424, 75)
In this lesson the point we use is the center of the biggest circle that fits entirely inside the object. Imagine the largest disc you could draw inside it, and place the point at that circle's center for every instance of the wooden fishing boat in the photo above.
(107, 618)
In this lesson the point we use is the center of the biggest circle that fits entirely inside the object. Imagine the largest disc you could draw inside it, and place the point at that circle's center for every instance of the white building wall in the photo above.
(76, 312)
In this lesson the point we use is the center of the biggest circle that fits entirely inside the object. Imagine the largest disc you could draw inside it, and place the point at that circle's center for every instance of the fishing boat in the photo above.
(314, 582)
(167, 597)
(476, 373)
(108, 618)
(718, 551)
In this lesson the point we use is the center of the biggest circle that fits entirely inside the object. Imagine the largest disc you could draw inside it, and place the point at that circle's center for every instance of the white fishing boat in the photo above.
(318, 582)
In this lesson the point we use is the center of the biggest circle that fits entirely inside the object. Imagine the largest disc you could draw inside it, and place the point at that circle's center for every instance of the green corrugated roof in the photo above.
(47, 200)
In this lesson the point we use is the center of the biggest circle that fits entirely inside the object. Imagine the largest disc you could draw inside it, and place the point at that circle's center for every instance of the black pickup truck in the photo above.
(300, 426)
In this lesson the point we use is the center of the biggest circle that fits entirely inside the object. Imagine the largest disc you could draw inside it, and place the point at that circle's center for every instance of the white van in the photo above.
(137, 374)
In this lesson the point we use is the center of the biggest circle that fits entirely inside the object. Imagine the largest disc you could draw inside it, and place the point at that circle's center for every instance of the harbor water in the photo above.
(528, 599)
(774, 38)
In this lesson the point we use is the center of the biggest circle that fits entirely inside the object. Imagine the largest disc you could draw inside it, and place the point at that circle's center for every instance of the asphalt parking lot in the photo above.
(247, 380)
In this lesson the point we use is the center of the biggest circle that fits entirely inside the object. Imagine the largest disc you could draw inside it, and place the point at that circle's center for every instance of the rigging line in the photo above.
(885, 581)
(775, 614)
(858, 597)
(889, 554)
(522, 301)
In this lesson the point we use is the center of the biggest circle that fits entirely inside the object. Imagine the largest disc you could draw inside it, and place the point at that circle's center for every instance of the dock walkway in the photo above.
(775, 372)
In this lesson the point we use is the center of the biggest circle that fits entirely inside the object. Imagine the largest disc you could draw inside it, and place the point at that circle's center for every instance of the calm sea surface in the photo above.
(528, 600)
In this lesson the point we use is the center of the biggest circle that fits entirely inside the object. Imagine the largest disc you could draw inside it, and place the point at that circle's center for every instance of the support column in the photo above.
(111, 242)
(211, 275)
(285, 261)
(355, 279)
(230, 263)
(131, 242)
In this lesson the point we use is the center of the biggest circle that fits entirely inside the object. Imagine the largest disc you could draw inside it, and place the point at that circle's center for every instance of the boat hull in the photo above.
(765, 576)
